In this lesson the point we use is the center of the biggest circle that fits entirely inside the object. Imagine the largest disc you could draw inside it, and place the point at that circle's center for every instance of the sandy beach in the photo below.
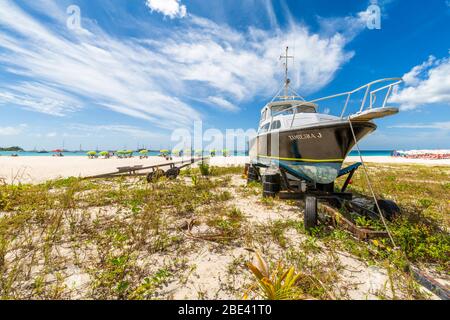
(40, 169)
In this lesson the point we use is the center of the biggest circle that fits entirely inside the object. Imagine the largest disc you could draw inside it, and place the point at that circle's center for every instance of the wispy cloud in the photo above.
(40, 98)
(434, 125)
(349, 26)
(109, 130)
(426, 84)
(12, 131)
(161, 79)
(170, 8)
(222, 103)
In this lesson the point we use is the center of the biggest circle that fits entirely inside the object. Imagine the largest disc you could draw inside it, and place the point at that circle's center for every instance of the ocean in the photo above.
(366, 153)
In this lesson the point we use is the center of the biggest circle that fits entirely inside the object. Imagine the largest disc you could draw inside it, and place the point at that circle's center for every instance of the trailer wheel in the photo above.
(155, 175)
(310, 216)
(389, 209)
(173, 173)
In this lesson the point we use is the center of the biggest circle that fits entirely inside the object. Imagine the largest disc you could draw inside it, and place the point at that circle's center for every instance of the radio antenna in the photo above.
(287, 81)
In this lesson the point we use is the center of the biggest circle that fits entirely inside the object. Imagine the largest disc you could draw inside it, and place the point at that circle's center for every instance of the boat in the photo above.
(312, 146)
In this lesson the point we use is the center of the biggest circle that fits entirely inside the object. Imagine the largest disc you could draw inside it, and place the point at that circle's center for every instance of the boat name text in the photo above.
(306, 136)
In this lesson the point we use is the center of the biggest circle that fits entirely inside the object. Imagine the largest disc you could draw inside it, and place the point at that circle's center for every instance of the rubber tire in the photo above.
(173, 173)
(389, 209)
(155, 175)
(310, 215)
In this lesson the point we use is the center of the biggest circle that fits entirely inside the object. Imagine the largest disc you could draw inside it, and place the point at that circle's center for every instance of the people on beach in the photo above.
(426, 155)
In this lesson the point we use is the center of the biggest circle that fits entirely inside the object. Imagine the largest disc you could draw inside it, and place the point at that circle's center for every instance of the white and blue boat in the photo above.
(312, 146)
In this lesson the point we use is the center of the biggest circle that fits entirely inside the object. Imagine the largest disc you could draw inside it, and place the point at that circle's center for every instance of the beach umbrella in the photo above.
(143, 152)
(225, 152)
(58, 150)
(92, 153)
(164, 152)
(176, 152)
(104, 153)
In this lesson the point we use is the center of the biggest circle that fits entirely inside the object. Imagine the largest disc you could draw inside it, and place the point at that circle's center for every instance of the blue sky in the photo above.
(137, 69)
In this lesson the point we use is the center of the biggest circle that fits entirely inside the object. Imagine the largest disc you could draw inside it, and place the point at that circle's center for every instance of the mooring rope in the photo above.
(370, 186)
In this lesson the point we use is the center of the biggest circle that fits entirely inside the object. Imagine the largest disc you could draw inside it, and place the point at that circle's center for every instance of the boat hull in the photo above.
(315, 153)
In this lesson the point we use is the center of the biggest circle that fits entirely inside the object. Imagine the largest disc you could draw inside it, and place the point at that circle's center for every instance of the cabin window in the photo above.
(306, 109)
(264, 128)
(282, 110)
(275, 125)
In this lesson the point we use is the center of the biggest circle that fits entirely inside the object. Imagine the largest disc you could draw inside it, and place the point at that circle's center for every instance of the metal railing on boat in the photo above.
(371, 94)
(368, 93)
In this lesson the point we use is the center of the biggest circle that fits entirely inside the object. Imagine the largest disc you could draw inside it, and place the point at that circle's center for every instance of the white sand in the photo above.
(40, 169)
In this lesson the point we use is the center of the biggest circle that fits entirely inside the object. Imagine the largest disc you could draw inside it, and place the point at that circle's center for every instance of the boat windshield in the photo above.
(287, 109)
(282, 110)
(306, 109)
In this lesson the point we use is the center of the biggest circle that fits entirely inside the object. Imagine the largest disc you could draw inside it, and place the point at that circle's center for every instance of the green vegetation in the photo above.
(14, 149)
(422, 229)
(204, 169)
(280, 284)
(124, 238)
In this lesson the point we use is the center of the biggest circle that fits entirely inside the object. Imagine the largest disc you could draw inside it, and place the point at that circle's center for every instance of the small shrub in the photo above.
(426, 203)
(204, 169)
(280, 284)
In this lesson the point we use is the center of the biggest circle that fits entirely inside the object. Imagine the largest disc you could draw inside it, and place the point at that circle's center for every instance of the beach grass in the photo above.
(123, 238)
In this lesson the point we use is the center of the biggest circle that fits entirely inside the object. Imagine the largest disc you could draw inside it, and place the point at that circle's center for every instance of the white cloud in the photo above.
(242, 65)
(350, 26)
(119, 75)
(12, 131)
(40, 99)
(426, 84)
(223, 104)
(157, 79)
(433, 125)
(131, 131)
(170, 8)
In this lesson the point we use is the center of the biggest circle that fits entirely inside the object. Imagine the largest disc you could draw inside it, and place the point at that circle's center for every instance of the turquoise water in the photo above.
(372, 153)
(366, 153)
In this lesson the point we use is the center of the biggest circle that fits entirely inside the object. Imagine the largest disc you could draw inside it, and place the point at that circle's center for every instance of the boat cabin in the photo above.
(273, 113)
